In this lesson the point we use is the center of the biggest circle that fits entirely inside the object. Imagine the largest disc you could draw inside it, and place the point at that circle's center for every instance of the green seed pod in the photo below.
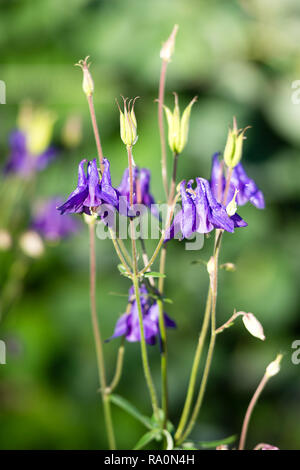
(178, 126)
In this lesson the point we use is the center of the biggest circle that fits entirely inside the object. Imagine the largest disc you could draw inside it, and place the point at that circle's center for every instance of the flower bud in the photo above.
(128, 123)
(31, 244)
(274, 367)
(232, 206)
(167, 49)
(178, 127)
(234, 145)
(87, 83)
(253, 326)
(228, 267)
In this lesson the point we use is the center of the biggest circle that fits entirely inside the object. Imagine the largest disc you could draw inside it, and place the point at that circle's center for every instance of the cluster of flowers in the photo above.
(201, 211)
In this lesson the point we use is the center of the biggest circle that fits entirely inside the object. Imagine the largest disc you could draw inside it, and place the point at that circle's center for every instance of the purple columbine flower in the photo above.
(201, 212)
(128, 324)
(141, 188)
(247, 189)
(49, 223)
(21, 161)
(91, 192)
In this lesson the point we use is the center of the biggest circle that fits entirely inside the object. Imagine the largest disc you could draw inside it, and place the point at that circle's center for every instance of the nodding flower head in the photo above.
(87, 82)
(178, 127)
(128, 324)
(91, 192)
(234, 145)
(240, 181)
(128, 124)
(201, 212)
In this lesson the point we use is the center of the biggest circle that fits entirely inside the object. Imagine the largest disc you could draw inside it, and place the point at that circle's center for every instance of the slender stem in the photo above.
(119, 252)
(98, 341)
(124, 251)
(161, 241)
(96, 131)
(213, 289)
(162, 326)
(145, 359)
(144, 353)
(161, 92)
(249, 411)
(119, 367)
(196, 362)
(173, 181)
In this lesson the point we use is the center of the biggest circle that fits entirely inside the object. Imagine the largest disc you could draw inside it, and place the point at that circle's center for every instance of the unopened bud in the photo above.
(32, 244)
(274, 367)
(167, 49)
(87, 83)
(128, 123)
(178, 127)
(253, 326)
(231, 208)
(234, 145)
(228, 267)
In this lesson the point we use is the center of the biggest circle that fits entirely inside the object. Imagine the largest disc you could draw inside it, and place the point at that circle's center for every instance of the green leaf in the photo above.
(146, 438)
(131, 409)
(154, 274)
(214, 444)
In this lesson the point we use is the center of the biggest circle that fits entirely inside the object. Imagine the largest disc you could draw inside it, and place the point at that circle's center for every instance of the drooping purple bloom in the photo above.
(21, 161)
(247, 189)
(201, 212)
(141, 188)
(91, 192)
(128, 324)
(49, 223)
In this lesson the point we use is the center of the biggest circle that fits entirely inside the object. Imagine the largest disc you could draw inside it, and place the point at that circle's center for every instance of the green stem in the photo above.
(98, 342)
(96, 131)
(119, 367)
(250, 409)
(161, 92)
(119, 252)
(194, 372)
(144, 353)
(213, 290)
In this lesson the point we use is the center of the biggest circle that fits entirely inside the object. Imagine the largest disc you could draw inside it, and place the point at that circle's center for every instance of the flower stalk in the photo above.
(98, 342)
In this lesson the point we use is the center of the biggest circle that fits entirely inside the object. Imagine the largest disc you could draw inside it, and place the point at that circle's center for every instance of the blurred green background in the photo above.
(240, 58)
